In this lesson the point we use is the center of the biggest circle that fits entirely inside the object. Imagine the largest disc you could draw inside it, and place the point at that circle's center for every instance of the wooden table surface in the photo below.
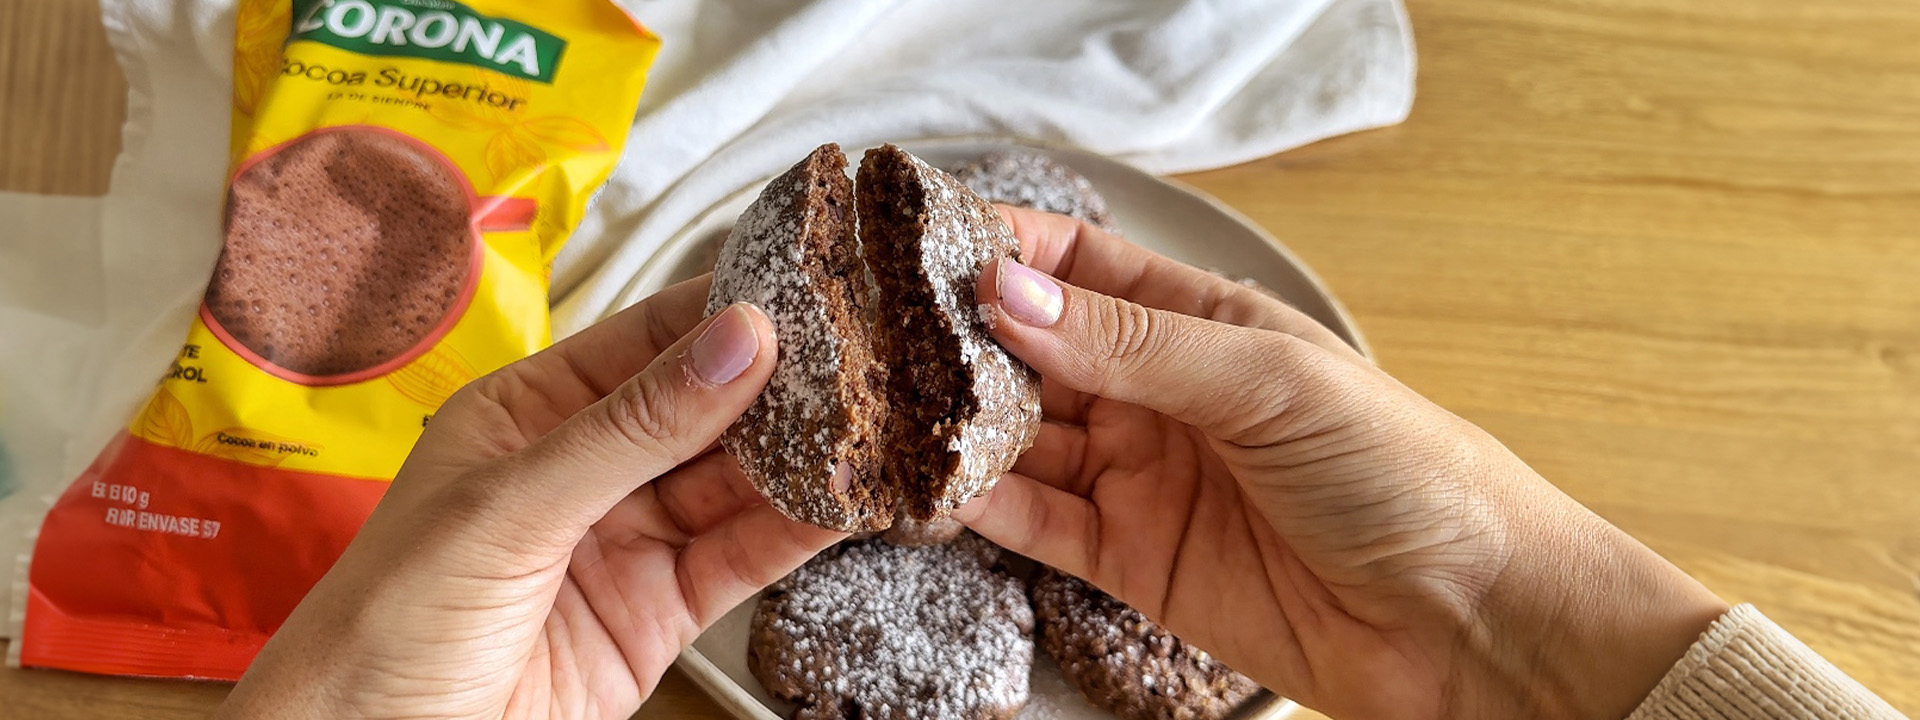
(1668, 250)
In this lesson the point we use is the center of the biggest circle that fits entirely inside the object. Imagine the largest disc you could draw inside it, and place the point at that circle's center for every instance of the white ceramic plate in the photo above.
(1165, 216)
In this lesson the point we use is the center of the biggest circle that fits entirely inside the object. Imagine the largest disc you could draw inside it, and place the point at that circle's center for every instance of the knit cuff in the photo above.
(1747, 667)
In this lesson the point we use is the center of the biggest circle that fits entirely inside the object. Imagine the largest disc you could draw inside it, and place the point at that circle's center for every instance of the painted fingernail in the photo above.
(727, 348)
(1029, 297)
(842, 478)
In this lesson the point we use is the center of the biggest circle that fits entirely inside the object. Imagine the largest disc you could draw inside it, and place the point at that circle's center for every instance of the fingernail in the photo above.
(970, 510)
(1031, 298)
(842, 478)
(727, 348)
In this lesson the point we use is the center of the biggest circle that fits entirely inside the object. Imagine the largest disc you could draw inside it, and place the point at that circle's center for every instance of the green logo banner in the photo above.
(433, 29)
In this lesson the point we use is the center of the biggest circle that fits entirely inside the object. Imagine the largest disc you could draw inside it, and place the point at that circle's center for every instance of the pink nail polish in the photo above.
(842, 478)
(726, 349)
(1028, 296)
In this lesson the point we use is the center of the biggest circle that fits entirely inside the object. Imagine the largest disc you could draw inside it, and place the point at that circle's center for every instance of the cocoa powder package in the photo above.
(402, 174)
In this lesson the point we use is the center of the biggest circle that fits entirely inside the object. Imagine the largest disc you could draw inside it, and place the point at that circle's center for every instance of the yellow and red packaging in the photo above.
(187, 542)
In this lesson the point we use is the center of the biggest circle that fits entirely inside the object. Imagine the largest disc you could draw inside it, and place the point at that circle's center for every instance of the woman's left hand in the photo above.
(561, 531)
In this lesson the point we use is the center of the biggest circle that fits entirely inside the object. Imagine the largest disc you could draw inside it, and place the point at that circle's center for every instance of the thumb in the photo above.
(663, 416)
(1233, 383)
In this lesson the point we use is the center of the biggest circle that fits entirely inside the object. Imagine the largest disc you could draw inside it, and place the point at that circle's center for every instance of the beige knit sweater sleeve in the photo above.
(1747, 668)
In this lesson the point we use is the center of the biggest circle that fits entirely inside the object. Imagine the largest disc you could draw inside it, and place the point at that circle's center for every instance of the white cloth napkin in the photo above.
(96, 293)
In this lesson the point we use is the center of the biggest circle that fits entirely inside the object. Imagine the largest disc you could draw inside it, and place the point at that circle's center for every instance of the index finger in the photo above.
(1085, 255)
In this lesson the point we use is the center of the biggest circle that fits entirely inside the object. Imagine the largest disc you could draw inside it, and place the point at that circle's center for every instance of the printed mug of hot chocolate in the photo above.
(350, 251)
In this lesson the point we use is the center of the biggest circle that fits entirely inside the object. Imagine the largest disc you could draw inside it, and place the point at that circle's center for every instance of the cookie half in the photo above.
(964, 409)
(812, 442)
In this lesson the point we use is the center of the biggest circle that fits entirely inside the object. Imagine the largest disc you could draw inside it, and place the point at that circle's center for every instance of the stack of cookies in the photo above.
(870, 630)
(915, 617)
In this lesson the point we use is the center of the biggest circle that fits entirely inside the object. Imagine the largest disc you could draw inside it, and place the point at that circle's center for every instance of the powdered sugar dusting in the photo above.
(987, 318)
(876, 631)
(1053, 698)
(1033, 180)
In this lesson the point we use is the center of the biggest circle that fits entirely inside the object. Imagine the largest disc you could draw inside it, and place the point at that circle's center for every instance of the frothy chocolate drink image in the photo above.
(344, 250)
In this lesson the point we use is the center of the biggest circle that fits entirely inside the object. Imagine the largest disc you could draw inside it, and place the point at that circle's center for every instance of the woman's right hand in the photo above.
(1227, 466)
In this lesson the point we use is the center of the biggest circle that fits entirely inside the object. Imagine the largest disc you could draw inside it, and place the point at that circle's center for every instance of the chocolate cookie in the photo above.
(887, 399)
(1126, 664)
(1029, 179)
(344, 250)
(873, 631)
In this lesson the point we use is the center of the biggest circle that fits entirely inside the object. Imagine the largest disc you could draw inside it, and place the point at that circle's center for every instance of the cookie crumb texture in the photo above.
(344, 250)
(1124, 663)
(874, 631)
(1029, 179)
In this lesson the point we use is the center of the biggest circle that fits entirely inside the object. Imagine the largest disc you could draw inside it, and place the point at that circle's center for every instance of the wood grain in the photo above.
(62, 98)
(1667, 250)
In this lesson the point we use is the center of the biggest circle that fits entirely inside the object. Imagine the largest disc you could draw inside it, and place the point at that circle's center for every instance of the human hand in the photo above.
(1228, 467)
(544, 551)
